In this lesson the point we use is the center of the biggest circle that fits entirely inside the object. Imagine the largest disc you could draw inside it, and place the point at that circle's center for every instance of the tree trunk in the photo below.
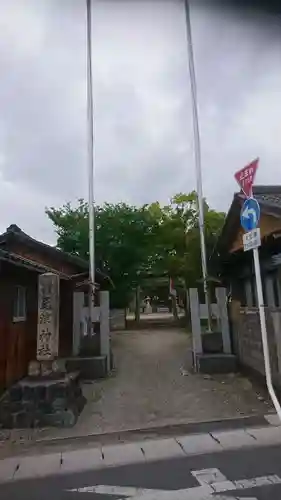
(137, 310)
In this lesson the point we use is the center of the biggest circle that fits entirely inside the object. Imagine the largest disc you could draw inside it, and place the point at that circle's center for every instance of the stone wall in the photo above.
(248, 342)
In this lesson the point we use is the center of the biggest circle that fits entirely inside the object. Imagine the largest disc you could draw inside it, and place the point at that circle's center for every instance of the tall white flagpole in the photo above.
(197, 153)
(90, 120)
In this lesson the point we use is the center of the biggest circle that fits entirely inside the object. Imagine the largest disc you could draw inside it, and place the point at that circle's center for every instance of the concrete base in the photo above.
(216, 363)
(56, 400)
(90, 368)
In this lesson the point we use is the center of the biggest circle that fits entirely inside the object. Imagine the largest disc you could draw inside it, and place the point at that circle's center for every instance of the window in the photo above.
(19, 304)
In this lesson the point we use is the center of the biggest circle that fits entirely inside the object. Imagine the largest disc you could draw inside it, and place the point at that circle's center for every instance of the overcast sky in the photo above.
(144, 140)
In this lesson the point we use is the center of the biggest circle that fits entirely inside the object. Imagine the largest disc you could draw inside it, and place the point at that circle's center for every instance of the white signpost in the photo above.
(250, 216)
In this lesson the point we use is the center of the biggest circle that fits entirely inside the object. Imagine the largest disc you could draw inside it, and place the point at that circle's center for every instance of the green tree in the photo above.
(177, 249)
(134, 242)
(124, 238)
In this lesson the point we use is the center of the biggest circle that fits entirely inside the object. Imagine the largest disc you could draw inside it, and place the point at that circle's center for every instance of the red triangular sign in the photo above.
(246, 176)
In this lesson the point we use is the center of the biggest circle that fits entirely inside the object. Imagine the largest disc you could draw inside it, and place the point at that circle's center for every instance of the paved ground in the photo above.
(153, 385)
(253, 474)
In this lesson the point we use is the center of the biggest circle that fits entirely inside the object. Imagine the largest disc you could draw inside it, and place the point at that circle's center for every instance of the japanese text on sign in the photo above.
(252, 239)
(48, 321)
(245, 177)
(44, 343)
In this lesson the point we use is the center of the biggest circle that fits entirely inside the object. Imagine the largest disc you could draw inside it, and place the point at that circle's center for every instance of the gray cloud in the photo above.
(143, 127)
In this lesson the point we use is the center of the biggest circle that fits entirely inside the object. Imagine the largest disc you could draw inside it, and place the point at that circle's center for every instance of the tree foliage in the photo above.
(134, 242)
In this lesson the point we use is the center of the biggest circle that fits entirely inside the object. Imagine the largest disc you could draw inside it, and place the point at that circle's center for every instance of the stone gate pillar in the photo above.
(48, 317)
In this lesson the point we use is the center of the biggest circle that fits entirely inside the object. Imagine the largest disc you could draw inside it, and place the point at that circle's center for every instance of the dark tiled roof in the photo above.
(13, 231)
(18, 260)
(269, 198)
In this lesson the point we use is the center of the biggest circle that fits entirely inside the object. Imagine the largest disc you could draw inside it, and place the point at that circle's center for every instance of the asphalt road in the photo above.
(237, 472)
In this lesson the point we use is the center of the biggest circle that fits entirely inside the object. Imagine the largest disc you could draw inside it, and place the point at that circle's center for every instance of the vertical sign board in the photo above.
(48, 317)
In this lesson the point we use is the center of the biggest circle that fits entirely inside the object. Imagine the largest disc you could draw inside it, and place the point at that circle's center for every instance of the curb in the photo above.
(152, 432)
(90, 459)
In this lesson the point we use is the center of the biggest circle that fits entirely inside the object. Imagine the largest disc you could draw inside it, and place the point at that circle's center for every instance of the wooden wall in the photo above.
(268, 225)
(18, 339)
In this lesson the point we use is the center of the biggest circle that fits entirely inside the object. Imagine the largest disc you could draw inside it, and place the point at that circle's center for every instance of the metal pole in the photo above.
(197, 152)
(90, 119)
(264, 334)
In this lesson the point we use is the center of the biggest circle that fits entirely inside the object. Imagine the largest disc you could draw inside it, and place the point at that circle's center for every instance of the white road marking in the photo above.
(208, 476)
(211, 481)
(126, 491)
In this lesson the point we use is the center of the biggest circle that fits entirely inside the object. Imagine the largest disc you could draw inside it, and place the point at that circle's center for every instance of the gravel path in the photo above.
(153, 385)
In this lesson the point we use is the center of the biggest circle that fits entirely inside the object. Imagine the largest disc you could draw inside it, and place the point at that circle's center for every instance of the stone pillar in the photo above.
(223, 315)
(105, 327)
(195, 321)
(48, 317)
(78, 302)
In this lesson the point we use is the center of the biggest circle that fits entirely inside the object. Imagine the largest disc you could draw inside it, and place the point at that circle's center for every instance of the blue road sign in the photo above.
(250, 214)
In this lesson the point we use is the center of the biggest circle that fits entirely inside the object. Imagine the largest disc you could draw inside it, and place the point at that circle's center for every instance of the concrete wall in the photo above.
(248, 343)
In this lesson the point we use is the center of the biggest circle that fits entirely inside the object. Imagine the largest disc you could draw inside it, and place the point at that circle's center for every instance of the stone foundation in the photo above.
(54, 400)
(216, 363)
(90, 368)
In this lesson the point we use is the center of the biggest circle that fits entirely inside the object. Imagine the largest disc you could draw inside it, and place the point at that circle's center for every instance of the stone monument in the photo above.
(148, 308)
(48, 396)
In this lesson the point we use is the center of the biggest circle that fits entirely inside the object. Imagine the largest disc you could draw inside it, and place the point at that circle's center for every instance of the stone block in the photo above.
(273, 419)
(212, 342)
(234, 438)
(216, 363)
(54, 402)
(90, 368)
(267, 435)
(8, 468)
(15, 393)
(33, 369)
(85, 459)
(38, 466)
(58, 366)
(46, 368)
(123, 454)
(199, 443)
(162, 448)
(23, 420)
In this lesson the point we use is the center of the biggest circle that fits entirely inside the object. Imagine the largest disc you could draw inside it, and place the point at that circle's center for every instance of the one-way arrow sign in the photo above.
(250, 214)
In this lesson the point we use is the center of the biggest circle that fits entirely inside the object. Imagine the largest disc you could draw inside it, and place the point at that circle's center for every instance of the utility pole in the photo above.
(197, 154)
(90, 123)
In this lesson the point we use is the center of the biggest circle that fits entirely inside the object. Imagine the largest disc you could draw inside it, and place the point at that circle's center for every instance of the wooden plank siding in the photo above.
(17, 339)
(268, 225)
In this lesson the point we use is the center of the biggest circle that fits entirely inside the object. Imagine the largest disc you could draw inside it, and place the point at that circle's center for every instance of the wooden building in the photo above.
(22, 259)
(236, 271)
(235, 267)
